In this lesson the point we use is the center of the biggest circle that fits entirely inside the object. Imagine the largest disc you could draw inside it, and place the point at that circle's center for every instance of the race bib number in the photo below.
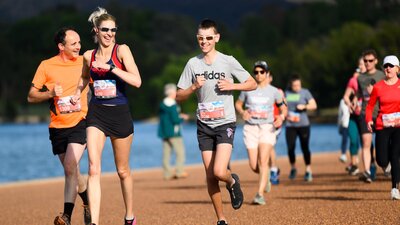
(294, 117)
(391, 120)
(105, 89)
(211, 110)
(259, 111)
(65, 106)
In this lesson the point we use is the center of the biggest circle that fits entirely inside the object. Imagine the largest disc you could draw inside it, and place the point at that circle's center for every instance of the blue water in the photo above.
(25, 150)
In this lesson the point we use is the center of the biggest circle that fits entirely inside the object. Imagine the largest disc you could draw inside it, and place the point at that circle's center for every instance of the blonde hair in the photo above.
(97, 17)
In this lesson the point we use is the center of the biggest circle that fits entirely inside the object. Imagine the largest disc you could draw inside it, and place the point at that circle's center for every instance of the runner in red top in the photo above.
(387, 139)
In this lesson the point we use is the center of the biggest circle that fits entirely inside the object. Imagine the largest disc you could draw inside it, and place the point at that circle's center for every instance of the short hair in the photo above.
(207, 24)
(370, 52)
(59, 36)
(168, 88)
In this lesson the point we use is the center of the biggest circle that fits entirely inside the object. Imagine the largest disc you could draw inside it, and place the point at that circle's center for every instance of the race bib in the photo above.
(259, 111)
(294, 117)
(65, 106)
(391, 120)
(211, 110)
(105, 89)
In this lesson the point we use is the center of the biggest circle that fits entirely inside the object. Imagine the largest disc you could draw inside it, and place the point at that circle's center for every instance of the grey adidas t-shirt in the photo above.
(215, 107)
(298, 118)
(260, 103)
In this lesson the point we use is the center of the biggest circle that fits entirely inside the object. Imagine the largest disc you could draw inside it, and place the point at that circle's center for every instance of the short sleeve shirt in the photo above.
(293, 99)
(67, 74)
(215, 107)
(260, 103)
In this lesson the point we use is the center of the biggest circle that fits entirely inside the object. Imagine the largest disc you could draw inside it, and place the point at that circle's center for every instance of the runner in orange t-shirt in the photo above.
(55, 81)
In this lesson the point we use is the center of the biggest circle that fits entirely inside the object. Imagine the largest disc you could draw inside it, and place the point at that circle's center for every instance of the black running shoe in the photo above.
(222, 222)
(235, 192)
(62, 220)
(366, 177)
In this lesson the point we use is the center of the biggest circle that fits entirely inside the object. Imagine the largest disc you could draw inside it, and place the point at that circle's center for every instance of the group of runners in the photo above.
(78, 123)
(371, 105)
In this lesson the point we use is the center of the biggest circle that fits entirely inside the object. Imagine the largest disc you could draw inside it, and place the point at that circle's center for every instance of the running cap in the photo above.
(261, 64)
(391, 59)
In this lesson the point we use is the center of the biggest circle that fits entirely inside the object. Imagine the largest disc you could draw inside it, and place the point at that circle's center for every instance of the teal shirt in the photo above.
(170, 122)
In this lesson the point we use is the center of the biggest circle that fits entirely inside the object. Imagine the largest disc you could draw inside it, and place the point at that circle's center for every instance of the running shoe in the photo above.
(366, 177)
(293, 173)
(268, 187)
(387, 171)
(353, 170)
(235, 192)
(62, 220)
(87, 219)
(222, 222)
(308, 177)
(130, 222)
(274, 177)
(258, 200)
(343, 158)
(372, 170)
(395, 194)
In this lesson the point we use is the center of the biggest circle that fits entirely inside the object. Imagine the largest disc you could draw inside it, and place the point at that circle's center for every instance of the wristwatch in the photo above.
(112, 66)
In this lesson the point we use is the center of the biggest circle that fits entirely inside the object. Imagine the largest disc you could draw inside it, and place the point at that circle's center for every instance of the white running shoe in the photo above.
(395, 194)
(343, 158)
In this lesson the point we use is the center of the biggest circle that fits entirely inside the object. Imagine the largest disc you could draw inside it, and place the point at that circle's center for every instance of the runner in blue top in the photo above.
(299, 101)
(210, 76)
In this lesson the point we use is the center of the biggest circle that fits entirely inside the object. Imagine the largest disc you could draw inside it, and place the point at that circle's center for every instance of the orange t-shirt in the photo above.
(66, 74)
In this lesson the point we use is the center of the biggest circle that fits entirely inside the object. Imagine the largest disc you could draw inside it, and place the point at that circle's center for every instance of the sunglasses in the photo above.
(106, 29)
(369, 60)
(388, 65)
(259, 72)
(202, 38)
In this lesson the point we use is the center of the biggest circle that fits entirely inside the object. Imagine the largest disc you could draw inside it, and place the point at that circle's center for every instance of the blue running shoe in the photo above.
(274, 177)
(293, 173)
(372, 170)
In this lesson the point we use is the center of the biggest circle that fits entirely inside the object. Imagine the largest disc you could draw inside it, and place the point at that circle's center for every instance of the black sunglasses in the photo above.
(106, 29)
(368, 60)
(259, 72)
(388, 65)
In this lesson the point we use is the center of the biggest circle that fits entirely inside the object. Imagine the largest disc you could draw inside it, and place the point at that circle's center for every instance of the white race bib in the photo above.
(65, 106)
(105, 89)
(211, 110)
(391, 120)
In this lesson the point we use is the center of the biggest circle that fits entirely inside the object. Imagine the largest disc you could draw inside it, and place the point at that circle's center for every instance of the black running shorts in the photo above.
(61, 137)
(209, 138)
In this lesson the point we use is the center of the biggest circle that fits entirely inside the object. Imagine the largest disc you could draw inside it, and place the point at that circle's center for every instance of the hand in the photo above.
(301, 107)
(184, 116)
(246, 115)
(58, 90)
(200, 80)
(75, 98)
(278, 121)
(225, 85)
(101, 65)
(370, 124)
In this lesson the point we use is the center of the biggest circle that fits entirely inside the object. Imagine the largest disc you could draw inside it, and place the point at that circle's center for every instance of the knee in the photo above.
(219, 174)
(70, 170)
(94, 170)
(124, 173)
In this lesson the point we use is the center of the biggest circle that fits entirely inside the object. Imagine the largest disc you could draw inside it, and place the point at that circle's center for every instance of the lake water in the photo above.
(25, 150)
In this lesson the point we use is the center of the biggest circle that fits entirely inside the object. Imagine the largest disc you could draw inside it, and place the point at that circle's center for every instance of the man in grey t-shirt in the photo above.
(210, 75)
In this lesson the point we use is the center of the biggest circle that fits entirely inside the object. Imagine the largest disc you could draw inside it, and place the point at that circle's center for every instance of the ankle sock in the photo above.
(68, 208)
(84, 197)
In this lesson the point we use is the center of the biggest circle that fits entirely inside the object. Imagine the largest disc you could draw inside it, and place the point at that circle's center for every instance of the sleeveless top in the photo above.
(108, 88)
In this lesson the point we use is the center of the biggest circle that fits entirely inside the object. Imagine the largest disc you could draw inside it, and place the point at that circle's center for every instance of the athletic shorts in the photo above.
(255, 134)
(61, 137)
(113, 121)
(362, 124)
(209, 138)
